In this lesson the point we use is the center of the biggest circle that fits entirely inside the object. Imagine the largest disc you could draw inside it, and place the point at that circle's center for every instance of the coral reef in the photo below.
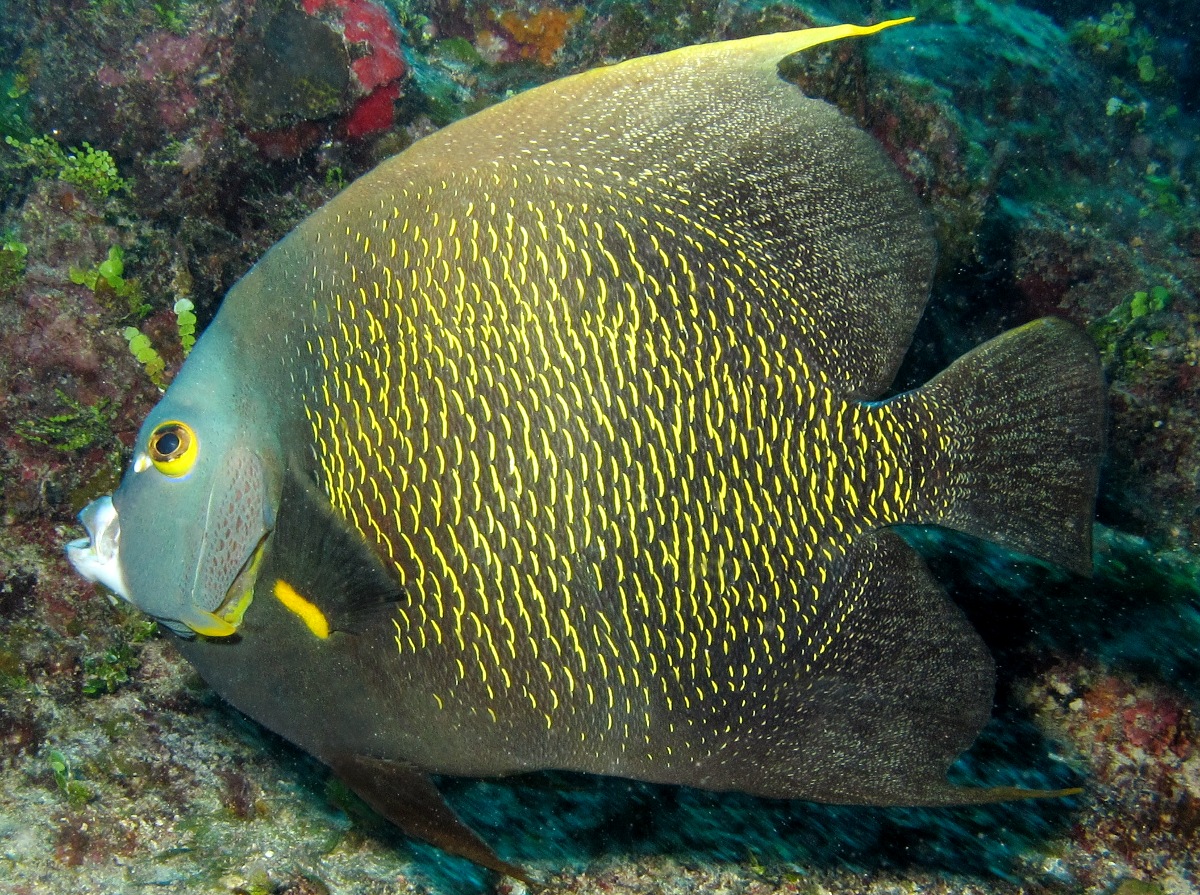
(154, 151)
(539, 35)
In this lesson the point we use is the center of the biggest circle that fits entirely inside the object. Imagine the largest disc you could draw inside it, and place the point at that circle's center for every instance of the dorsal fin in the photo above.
(774, 199)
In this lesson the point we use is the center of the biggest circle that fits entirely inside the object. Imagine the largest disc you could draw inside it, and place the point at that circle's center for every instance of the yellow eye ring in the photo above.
(173, 448)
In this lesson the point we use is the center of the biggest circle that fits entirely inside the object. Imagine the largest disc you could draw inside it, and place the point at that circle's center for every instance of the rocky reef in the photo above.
(152, 152)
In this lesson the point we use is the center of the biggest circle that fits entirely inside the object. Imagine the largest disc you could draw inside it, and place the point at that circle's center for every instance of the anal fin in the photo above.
(880, 694)
(405, 795)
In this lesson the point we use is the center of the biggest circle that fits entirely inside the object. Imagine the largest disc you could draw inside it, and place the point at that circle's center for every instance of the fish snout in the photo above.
(98, 556)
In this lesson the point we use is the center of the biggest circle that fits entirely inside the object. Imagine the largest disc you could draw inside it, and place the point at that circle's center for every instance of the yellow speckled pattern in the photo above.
(590, 416)
(595, 373)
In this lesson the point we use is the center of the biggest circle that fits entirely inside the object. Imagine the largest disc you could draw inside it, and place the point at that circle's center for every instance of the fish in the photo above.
(563, 440)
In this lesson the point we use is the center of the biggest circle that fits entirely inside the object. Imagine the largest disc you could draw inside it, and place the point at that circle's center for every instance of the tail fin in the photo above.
(1024, 414)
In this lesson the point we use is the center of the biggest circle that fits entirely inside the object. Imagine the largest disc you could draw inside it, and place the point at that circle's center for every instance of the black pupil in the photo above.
(167, 444)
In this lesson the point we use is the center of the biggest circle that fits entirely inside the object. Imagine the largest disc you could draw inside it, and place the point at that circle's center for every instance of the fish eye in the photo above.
(173, 448)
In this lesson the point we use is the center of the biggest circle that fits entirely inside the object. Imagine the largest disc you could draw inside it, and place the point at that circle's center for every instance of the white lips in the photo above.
(97, 557)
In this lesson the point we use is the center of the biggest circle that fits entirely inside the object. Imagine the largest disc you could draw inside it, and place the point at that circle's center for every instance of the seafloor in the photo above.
(153, 150)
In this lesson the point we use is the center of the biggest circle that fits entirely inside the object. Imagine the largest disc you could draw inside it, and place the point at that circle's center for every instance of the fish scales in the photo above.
(565, 431)
(607, 439)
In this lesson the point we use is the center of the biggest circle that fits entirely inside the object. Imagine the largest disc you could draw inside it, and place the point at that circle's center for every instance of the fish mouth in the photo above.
(98, 556)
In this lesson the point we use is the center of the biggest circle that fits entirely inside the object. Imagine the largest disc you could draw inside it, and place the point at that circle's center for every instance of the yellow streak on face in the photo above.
(308, 613)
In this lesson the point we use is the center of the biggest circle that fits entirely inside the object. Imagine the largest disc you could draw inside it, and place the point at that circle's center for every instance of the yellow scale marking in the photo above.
(559, 376)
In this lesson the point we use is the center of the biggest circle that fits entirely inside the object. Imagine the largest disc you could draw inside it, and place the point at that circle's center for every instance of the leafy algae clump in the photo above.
(79, 426)
(146, 354)
(92, 170)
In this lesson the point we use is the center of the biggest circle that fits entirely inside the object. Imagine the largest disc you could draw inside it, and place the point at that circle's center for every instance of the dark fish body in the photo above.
(566, 430)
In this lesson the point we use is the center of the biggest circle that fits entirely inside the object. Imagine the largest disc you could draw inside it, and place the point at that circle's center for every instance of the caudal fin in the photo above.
(1024, 414)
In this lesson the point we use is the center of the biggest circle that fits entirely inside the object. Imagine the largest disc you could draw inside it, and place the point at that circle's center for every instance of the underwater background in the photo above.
(154, 150)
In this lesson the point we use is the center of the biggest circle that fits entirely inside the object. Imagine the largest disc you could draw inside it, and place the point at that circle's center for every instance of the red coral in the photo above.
(365, 22)
(373, 113)
(379, 71)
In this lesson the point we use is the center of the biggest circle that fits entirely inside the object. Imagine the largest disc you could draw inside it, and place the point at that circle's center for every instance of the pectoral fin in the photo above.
(322, 570)
(405, 796)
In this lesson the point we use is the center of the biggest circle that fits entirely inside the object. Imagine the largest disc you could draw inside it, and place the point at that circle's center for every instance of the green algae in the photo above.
(76, 791)
(1128, 334)
(1164, 194)
(12, 675)
(146, 354)
(1111, 32)
(172, 15)
(14, 122)
(92, 170)
(12, 264)
(1127, 48)
(79, 427)
(185, 324)
(108, 671)
(1143, 303)
(108, 282)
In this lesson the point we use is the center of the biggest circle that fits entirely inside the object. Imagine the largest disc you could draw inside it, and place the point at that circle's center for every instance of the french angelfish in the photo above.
(556, 441)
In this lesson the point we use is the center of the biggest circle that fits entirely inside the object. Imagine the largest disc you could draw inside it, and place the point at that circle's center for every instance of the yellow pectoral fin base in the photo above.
(307, 612)
(321, 570)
